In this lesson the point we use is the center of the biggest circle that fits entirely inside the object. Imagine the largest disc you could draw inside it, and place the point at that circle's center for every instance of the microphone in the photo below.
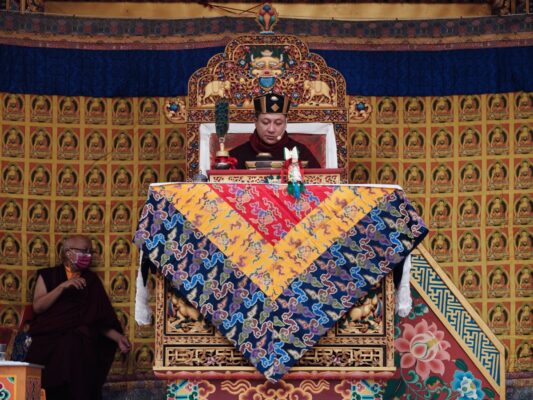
(278, 138)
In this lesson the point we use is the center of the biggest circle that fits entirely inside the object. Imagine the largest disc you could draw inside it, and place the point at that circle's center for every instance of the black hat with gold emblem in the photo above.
(271, 103)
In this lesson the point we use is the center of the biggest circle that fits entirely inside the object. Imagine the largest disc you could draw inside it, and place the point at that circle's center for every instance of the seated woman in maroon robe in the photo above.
(76, 332)
(270, 135)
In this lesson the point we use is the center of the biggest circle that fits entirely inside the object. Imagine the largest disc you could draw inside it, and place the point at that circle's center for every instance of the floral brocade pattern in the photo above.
(273, 316)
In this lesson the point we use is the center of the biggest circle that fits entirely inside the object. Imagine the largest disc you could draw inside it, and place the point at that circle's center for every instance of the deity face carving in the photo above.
(266, 65)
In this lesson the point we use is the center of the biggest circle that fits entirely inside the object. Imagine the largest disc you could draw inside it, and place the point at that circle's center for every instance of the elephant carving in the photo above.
(319, 91)
(215, 89)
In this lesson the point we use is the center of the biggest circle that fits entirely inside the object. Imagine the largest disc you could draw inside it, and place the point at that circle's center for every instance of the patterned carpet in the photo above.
(152, 390)
(135, 390)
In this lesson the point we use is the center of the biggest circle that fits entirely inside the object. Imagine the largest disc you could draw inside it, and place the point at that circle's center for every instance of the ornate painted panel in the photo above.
(361, 341)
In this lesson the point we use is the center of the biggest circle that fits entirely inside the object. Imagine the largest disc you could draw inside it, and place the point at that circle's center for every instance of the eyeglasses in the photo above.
(84, 251)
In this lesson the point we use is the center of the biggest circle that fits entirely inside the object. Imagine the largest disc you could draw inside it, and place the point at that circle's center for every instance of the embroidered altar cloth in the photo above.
(272, 273)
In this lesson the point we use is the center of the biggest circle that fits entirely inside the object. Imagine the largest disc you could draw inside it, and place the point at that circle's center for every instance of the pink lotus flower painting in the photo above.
(423, 345)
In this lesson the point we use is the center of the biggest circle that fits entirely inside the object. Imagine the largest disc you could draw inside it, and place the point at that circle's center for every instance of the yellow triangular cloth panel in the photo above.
(272, 267)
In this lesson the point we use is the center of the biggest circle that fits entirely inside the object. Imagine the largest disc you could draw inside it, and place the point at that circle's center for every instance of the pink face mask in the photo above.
(82, 260)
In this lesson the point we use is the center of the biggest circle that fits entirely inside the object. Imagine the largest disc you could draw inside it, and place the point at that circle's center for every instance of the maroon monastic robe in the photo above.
(68, 337)
(249, 150)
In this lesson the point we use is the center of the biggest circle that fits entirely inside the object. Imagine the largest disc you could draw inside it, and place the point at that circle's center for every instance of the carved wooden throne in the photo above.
(186, 347)
(255, 64)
